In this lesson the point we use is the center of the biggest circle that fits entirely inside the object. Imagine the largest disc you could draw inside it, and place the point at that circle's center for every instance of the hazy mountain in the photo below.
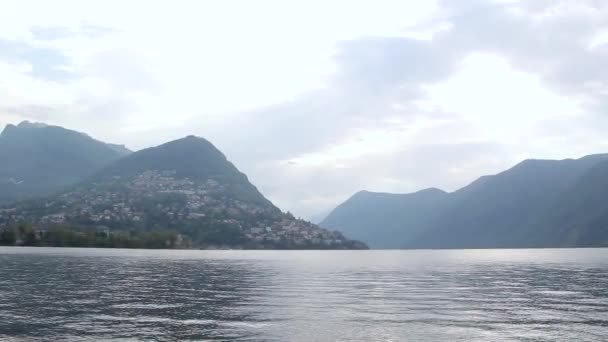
(497, 211)
(38, 159)
(186, 185)
(319, 217)
(579, 217)
(120, 149)
(385, 220)
(516, 208)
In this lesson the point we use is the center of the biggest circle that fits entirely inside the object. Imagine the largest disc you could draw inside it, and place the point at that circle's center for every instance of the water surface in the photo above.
(458, 295)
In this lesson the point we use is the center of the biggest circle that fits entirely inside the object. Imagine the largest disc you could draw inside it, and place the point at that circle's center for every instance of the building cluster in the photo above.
(162, 197)
(294, 232)
(132, 200)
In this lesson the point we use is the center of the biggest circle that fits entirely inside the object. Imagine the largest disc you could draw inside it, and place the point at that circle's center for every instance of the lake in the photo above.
(455, 295)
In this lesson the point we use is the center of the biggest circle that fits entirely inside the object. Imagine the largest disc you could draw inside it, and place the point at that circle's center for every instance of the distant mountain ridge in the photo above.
(537, 203)
(39, 159)
(580, 215)
(377, 218)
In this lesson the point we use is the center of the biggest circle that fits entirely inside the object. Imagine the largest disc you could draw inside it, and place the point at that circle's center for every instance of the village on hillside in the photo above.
(161, 200)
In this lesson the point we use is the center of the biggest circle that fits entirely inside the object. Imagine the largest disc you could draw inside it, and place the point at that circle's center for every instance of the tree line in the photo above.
(62, 236)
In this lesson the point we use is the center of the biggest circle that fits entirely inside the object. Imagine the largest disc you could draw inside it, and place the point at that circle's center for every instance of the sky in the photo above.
(316, 100)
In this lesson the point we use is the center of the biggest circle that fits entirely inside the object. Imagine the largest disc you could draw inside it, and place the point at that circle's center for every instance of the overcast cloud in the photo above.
(314, 101)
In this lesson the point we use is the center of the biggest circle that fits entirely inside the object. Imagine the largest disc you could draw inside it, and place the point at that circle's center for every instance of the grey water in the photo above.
(456, 295)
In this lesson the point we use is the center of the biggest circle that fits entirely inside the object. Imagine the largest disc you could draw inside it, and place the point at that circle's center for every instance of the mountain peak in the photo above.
(431, 190)
(45, 159)
(23, 126)
(189, 140)
(427, 191)
(595, 157)
(30, 125)
(190, 157)
(8, 129)
(192, 140)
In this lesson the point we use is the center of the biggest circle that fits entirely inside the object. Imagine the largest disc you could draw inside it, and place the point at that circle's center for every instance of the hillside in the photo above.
(187, 186)
(385, 220)
(579, 217)
(515, 208)
(193, 158)
(38, 159)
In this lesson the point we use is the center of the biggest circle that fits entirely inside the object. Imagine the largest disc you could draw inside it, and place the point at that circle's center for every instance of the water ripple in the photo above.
(507, 295)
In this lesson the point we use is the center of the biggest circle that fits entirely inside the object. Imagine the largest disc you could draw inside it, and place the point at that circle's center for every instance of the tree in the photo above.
(27, 234)
(8, 237)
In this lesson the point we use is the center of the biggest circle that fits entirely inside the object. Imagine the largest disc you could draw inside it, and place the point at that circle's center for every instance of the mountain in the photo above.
(521, 207)
(385, 220)
(580, 216)
(193, 158)
(186, 185)
(39, 159)
(498, 210)
(122, 150)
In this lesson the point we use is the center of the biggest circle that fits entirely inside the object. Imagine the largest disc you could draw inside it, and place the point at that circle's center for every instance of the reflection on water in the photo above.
(498, 295)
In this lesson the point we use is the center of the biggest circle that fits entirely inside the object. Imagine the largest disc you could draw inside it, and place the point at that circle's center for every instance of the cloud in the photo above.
(380, 83)
(41, 113)
(124, 71)
(50, 33)
(382, 63)
(46, 63)
(550, 39)
(96, 31)
(376, 85)
(45, 81)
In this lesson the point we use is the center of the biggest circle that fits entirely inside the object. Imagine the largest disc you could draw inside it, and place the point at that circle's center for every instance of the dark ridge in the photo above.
(536, 203)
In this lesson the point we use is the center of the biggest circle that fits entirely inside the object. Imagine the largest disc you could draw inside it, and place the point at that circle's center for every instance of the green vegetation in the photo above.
(191, 157)
(25, 235)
